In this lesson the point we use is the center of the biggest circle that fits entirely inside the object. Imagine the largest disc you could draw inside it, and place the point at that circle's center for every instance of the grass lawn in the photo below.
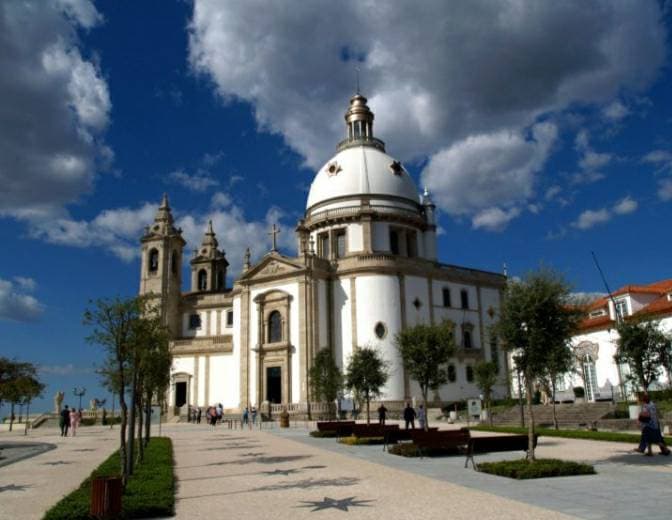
(540, 468)
(150, 492)
(568, 434)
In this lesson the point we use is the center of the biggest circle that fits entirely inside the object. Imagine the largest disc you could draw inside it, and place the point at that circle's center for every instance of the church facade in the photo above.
(366, 268)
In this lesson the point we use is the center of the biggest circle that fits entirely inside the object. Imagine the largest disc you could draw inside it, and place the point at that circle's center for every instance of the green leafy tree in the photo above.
(560, 362)
(536, 317)
(366, 374)
(425, 351)
(19, 384)
(644, 348)
(326, 379)
(486, 377)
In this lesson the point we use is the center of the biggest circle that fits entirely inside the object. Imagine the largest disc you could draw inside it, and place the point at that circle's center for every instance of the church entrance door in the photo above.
(274, 385)
(180, 394)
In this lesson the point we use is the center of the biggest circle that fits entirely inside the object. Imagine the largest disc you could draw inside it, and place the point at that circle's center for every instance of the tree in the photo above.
(644, 348)
(18, 384)
(114, 323)
(366, 374)
(485, 374)
(326, 379)
(560, 361)
(425, 351)
(536, 317)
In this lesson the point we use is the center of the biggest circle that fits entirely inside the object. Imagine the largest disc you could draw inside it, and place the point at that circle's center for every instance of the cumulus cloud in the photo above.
(615, 111)
(590, 162)
(488, 169)
(55, 107)
(665, 189)
(494, 219)
(590, 218)
(199, 181)
(119, 230)
(15, 304)
(296, 69)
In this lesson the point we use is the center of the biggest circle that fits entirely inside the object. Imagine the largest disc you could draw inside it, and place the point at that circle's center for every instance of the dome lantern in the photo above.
(359, 123)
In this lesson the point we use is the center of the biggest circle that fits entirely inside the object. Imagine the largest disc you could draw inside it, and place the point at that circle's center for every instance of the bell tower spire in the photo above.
(359, 125)
(208, 266)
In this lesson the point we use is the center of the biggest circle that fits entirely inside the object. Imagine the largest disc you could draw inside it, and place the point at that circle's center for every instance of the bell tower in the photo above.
(161, 266)
(208, 265)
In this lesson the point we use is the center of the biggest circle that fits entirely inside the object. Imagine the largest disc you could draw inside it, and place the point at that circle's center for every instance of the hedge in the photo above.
(540, 468)
(407, 449)
(323, 435)
(150, 492)
(361, 441)
(567, 434)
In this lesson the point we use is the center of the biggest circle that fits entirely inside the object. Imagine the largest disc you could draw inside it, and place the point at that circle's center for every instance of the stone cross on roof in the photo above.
(274, 233)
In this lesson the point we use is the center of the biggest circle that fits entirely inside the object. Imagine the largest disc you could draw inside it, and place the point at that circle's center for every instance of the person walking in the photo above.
(409, 416)
(198, 416)
(219, 411)
(253, 411)
(648, 420)
(74, 422)
(64, 421)
(422, 417)
(212, 417)
(382, 414)
(246, 417)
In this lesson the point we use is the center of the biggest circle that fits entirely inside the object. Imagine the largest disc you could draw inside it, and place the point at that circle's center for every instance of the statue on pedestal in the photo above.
(58, 401)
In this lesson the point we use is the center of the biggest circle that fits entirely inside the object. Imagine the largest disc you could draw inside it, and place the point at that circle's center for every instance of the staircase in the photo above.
(584, 414)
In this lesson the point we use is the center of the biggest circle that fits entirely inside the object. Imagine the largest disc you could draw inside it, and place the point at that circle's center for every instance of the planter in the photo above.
(633, 411)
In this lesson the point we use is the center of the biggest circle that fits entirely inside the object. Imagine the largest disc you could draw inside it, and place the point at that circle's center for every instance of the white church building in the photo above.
(366, 268)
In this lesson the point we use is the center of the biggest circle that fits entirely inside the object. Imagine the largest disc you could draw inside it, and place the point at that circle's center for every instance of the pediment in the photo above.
(273, 265)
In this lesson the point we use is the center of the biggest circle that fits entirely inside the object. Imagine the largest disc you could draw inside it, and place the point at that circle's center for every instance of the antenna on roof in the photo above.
(357, 73)
(606, 286)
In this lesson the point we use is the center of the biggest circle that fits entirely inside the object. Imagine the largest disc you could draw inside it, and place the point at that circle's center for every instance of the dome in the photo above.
(361, 170)
(361, 166)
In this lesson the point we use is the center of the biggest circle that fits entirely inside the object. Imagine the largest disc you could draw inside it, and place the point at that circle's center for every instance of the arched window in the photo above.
(202, 280)
(153, 261)
(220, 280)
(173, 262)
(467, 338)
(470, 374)
(452, 374)
(464, 298)
(274, 327)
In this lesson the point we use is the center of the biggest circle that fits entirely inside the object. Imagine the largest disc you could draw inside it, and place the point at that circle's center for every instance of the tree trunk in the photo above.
(148, 416)
(425, 391)
(122, 436)
(11, 417)
(368, 415)
(555, 415)
(530, 420)
(487, 407)
(141, 444)
(131, 427)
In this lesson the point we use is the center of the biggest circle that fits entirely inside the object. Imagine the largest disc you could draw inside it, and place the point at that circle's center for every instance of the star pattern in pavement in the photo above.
(332, 503)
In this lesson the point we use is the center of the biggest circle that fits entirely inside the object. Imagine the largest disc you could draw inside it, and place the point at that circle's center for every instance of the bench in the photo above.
(373, 430)
(398, 435)
(492, 444)
(440, 440)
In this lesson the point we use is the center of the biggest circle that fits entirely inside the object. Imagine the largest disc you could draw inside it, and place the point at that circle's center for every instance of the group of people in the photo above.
(214, 414)
(410, 415)
(69, 420)
(651, 434)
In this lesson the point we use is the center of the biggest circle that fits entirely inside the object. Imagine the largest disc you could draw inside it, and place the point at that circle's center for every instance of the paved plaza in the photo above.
(284, 473)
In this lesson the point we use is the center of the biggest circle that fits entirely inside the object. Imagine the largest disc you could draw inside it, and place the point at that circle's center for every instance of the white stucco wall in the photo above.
(342, 321)
(323, 314)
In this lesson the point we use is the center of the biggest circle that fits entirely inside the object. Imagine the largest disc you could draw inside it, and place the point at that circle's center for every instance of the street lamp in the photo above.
(79, 392)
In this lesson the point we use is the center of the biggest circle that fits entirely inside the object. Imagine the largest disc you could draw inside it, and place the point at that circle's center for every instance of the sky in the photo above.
(542, 130)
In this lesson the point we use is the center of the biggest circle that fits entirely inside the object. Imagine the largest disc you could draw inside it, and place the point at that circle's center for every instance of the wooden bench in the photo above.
(441, 440)
(492, 444)
(398, 435)
(373, 430)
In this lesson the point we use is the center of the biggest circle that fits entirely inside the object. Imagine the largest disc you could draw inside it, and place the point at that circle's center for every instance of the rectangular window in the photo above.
(494, 351)
(470, 374)
(452, 375)
(340, 243)
(446, 297)
(411, 244)
(622, 308)
(194, 321)
(464, 298)
(466, 335)
(229, 319)
(323, 245)
(394, 241)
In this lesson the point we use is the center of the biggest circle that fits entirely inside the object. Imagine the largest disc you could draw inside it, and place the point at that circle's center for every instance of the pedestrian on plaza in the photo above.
(382, 414)
(422, 416)
(212, 416)
(220, 412)
(648, 420)
(409, 416)
(253, 411)
(198, 416)
(74, 422)
(246, 417)
(189, 412)
(64, 421)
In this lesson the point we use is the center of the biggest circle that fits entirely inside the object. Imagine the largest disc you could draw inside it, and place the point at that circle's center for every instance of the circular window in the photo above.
(380, 330)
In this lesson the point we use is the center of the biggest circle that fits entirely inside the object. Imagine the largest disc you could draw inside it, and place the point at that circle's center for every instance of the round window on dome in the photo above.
(380, 330)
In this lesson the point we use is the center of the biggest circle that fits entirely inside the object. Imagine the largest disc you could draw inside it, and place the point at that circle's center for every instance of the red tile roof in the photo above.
(661, 305)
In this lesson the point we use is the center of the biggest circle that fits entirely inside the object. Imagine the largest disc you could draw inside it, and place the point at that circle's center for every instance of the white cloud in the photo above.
(625, 206)
(220, 200)
(658, 157)
(486, 171)
(199, 181)
(15, 305)
(494, 219)
(590, 162)
(615, 111)
(68, 369)
(25, 283)
(296, 69)
(665, 189)
(590, 218)
(55, 107)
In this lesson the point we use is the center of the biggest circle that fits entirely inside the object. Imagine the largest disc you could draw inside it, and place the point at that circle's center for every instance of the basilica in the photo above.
(366, 268)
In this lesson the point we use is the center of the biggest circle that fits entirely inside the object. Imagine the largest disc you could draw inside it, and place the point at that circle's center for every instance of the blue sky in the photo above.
(539, 143)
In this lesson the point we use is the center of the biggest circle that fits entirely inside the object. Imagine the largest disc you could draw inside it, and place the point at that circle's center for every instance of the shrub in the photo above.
(361, 441)
(579, 392)
(323, 435)
(408, 449)
(150, 492)
(567, 434)
(540, 468)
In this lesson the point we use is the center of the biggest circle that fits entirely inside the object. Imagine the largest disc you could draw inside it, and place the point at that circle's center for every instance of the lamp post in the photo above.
(79, 392)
